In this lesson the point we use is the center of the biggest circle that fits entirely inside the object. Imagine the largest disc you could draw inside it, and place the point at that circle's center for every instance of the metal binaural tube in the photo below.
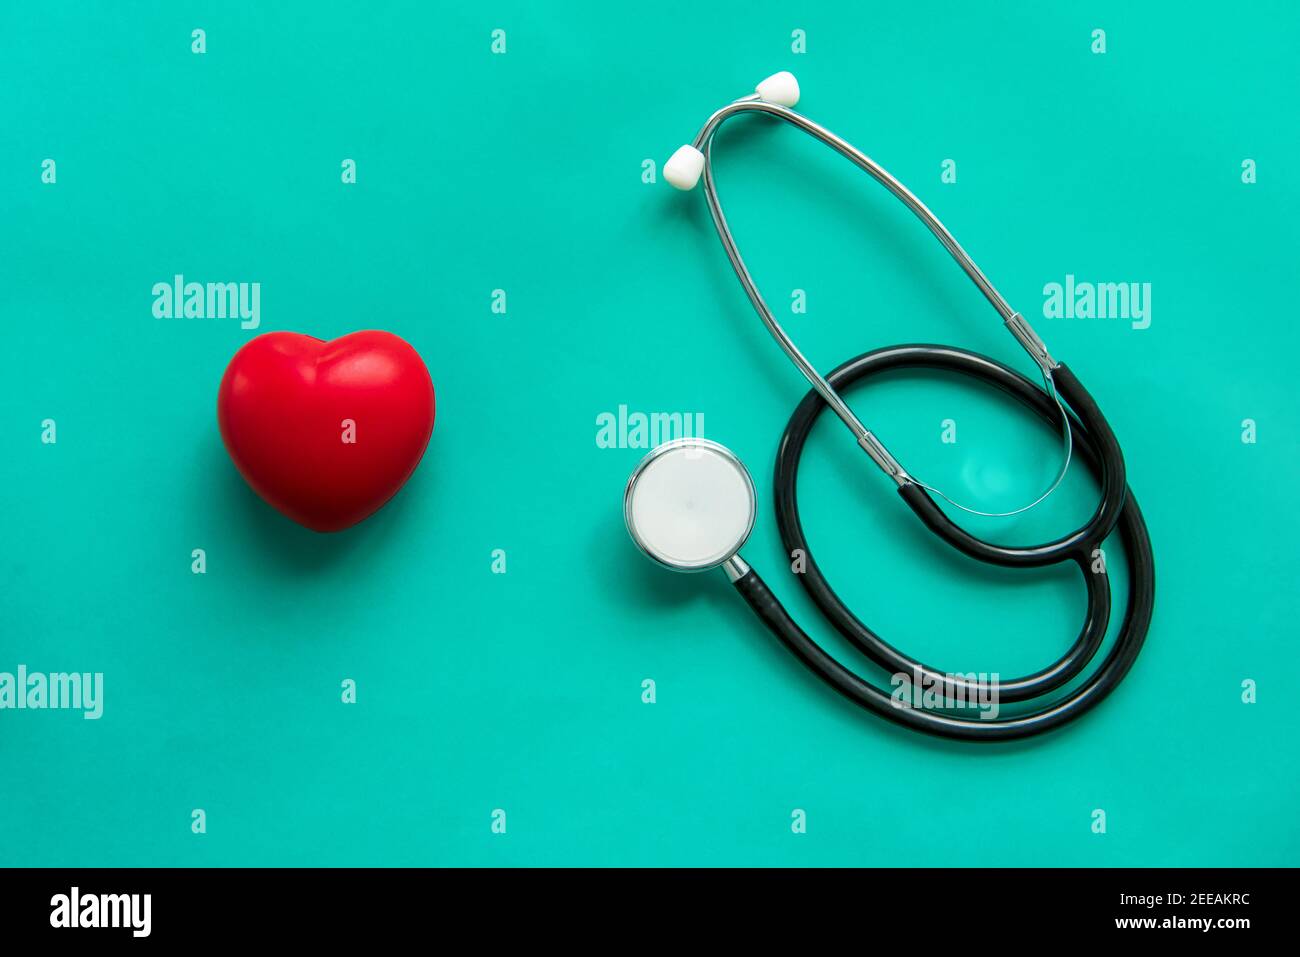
(751, 104)
(1014, 321)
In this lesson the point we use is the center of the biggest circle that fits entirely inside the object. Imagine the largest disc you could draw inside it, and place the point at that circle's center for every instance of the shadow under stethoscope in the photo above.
(644, 585)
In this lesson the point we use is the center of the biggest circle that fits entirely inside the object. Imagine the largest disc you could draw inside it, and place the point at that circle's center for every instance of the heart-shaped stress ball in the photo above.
(326, 432)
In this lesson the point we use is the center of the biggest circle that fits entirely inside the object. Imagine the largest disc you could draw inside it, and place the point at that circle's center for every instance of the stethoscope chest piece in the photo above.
(690, 505)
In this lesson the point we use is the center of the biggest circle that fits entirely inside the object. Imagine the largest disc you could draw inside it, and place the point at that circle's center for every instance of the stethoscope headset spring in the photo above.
(663, 497)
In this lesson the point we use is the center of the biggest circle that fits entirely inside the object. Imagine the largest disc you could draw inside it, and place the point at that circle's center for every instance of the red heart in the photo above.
(289, 403)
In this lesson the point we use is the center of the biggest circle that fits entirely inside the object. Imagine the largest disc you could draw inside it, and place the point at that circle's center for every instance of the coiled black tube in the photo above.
(1096, 447)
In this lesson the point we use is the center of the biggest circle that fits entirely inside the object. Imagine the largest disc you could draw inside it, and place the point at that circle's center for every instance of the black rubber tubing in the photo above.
(1113, 479)
(1094, 444)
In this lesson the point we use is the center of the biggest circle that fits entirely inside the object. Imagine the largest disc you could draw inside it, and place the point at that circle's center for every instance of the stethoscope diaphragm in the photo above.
(690, 504)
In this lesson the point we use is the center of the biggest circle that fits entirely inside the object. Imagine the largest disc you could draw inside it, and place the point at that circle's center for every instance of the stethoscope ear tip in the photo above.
(683, 168)
(779, 88)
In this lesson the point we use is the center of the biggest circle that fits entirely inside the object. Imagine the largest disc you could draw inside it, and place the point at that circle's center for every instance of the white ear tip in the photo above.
(780, 88)
(684, 167)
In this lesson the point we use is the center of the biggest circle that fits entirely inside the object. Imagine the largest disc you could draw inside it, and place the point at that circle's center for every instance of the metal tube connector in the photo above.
(1032, 344)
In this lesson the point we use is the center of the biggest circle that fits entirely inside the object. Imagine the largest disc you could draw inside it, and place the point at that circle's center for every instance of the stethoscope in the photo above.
(690, 504)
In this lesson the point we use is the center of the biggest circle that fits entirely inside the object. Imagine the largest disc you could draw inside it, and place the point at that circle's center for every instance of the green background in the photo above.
(523, 172)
